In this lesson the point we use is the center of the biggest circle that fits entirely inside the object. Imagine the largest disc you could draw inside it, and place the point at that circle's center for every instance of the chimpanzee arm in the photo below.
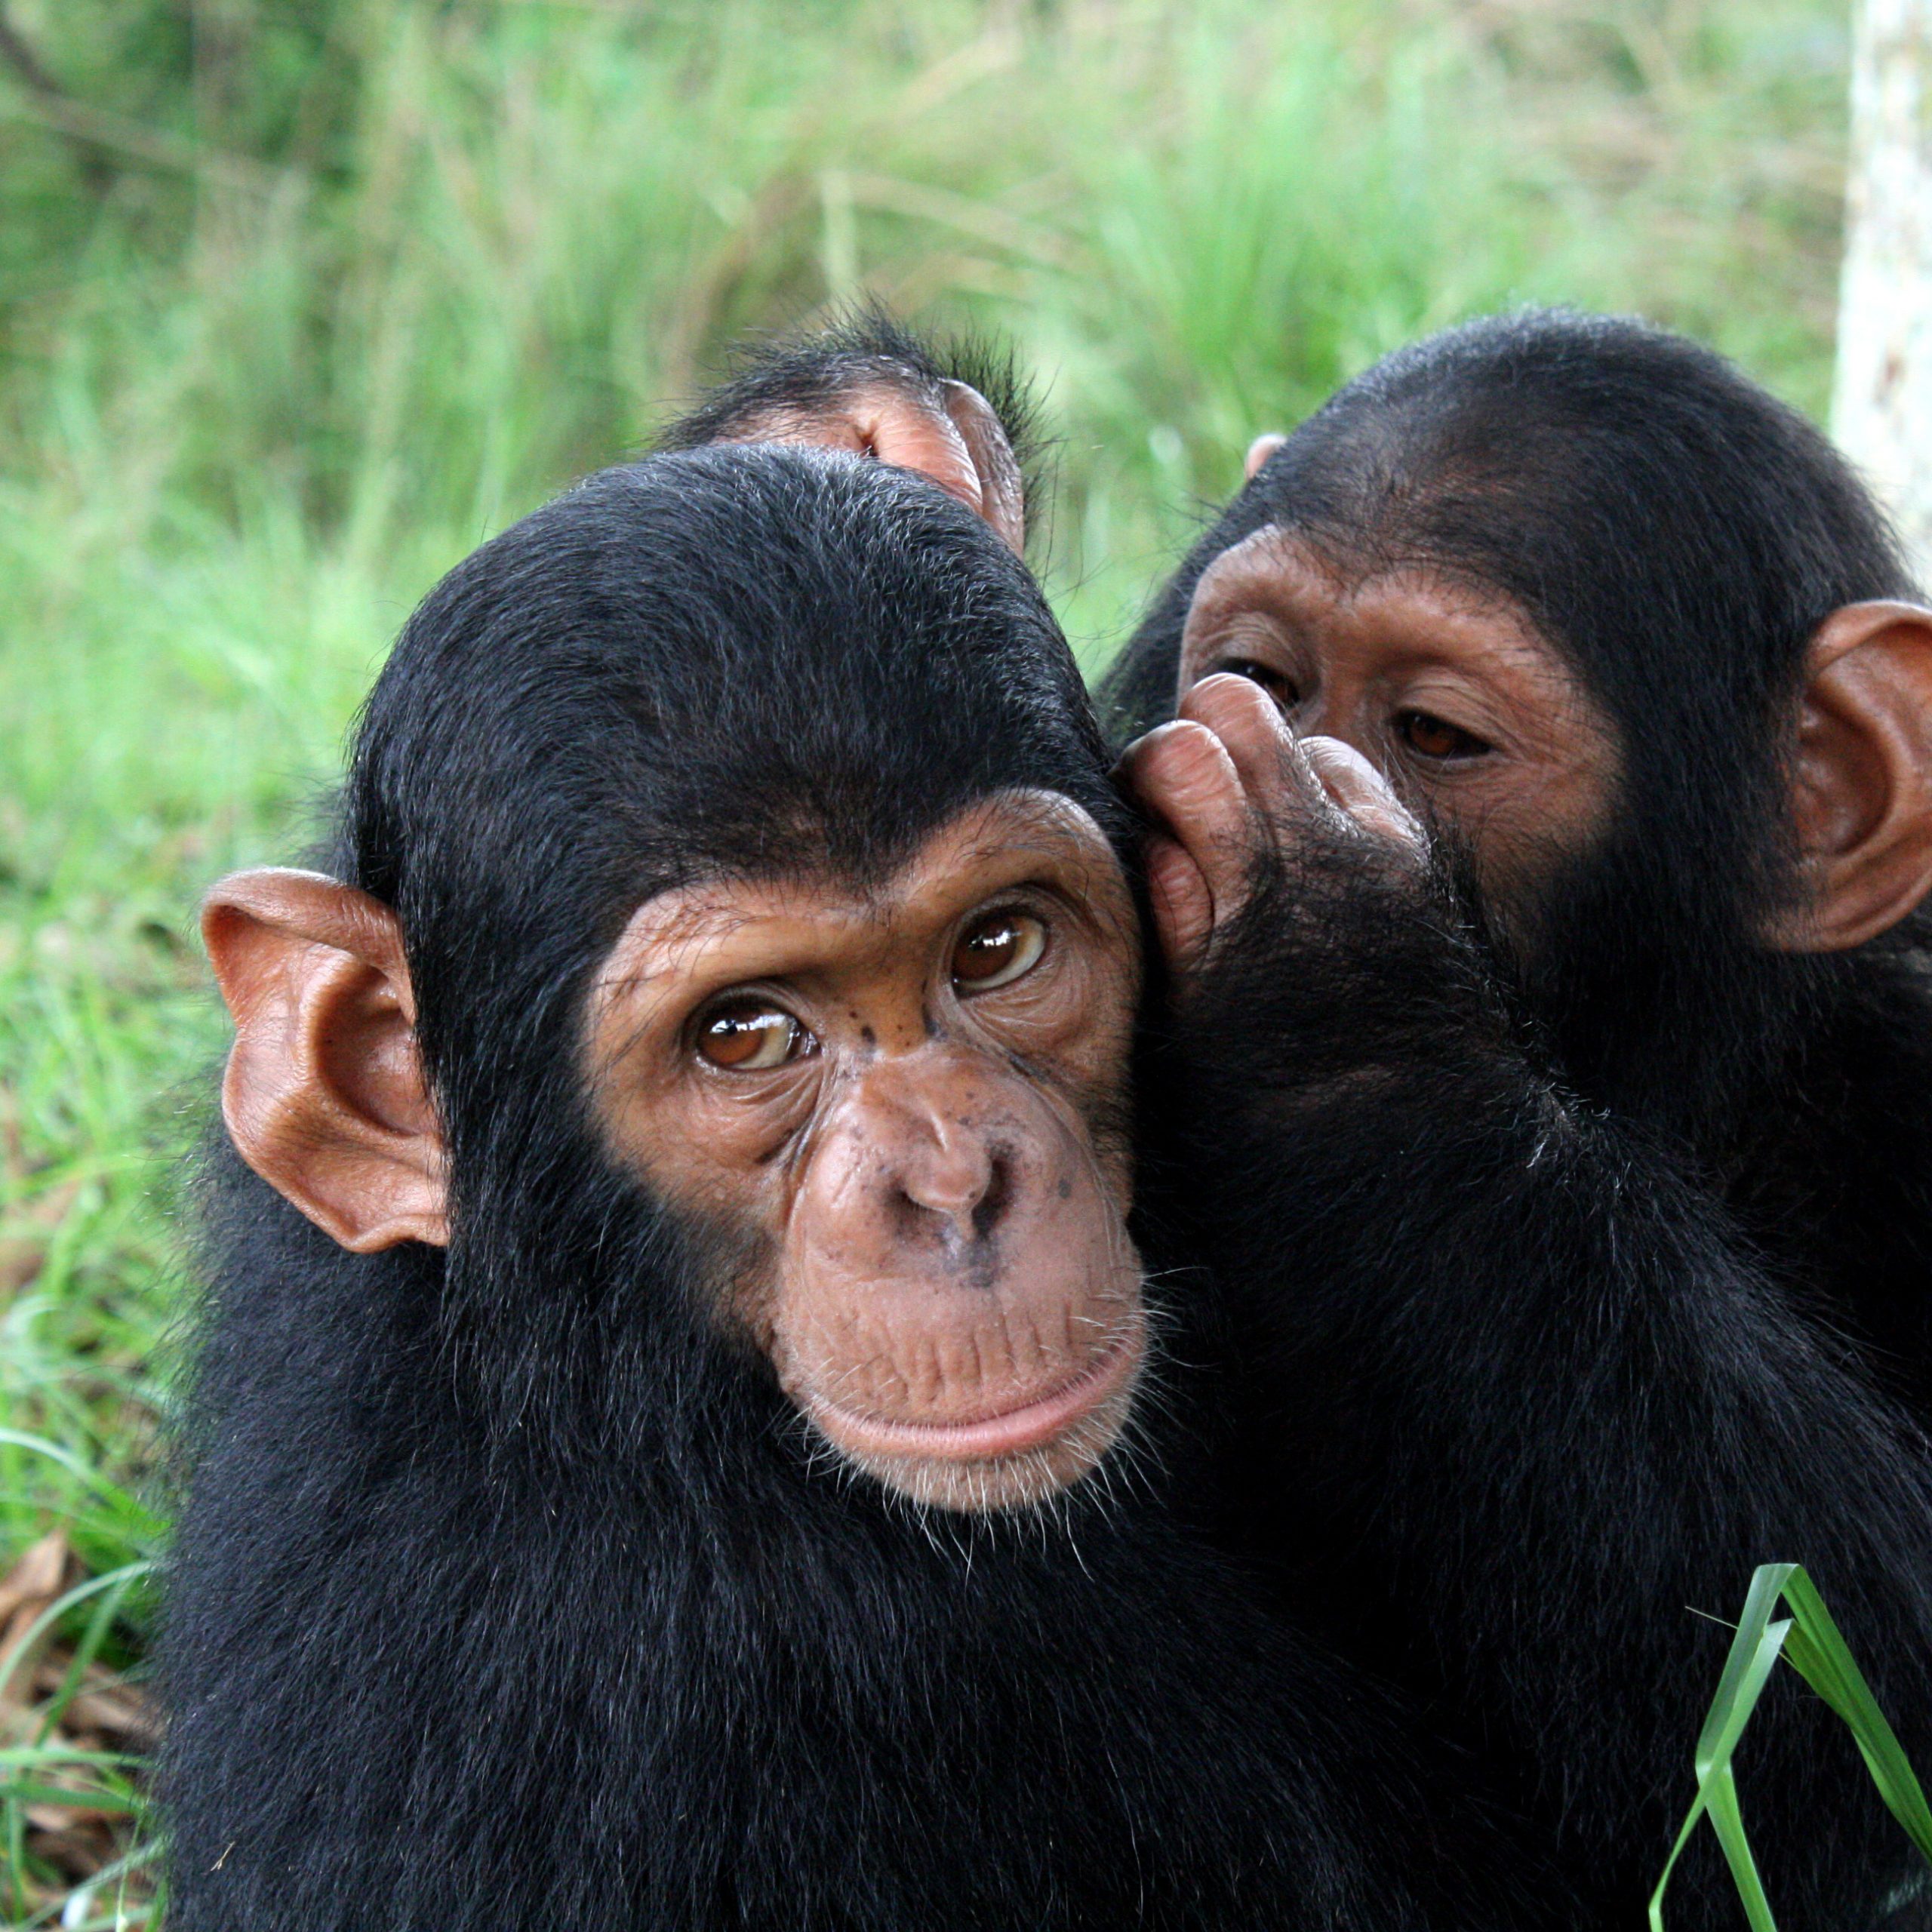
(1519, 1404)
(957, 412)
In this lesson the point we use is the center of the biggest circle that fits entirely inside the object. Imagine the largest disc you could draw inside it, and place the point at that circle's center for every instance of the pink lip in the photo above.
(1008, 1433)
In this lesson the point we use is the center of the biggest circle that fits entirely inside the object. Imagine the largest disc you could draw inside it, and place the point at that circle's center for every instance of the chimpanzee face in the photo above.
(1471, 714)
(800, 734)
(901, 1106)
(1478, 719)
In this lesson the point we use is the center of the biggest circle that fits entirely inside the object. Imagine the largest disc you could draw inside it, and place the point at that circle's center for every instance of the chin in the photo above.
(1016, 1460)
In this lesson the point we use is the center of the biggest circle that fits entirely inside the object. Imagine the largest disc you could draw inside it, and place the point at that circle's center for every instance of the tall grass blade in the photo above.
(1810, 1642)
(1818, 1653)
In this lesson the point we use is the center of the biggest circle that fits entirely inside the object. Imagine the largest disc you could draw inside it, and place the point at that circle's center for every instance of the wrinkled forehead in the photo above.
(1016, 838)
(1304, 587)
(1319, 566)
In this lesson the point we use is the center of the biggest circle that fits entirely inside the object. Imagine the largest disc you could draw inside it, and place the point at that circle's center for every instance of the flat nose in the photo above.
(936, 1162)
(959, 1175)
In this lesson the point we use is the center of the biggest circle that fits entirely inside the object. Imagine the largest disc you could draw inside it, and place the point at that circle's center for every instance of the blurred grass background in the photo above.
(301, 299)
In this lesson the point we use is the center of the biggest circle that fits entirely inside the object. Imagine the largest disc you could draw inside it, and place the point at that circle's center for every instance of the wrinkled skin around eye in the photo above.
(1473, 718)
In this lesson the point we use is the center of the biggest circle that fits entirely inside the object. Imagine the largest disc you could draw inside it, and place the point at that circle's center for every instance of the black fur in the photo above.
(1585, 1271)
(510, 1593)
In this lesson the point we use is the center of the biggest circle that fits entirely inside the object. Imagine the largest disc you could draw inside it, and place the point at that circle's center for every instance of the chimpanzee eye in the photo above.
(1436, 737)
(1282, 688)
(750, 1036)
(995, 949)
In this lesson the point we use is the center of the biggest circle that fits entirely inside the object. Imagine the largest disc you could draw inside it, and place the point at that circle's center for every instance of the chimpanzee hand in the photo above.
(1241, 801)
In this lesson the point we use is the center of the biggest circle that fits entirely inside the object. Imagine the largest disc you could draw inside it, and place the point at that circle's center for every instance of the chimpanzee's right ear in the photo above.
(324, 1095)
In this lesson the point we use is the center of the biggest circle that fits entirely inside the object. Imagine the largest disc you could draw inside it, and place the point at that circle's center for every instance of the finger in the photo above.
(1181, 902)
(1257, 740)
(1184, 780)
(1360, 792)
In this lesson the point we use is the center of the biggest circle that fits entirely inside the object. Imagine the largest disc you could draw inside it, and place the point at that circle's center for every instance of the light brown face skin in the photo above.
(920, 1133)
(1466, 710)
(1474, 718)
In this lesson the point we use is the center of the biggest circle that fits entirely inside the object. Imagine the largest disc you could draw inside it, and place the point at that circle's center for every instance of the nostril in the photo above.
(967, 1198)
(990, 1209)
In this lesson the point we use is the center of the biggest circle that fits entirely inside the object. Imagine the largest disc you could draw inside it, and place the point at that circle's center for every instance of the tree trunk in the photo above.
(1881, 403)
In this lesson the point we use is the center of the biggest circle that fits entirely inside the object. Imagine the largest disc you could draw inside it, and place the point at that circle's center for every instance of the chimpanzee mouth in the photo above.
(1033, 1424)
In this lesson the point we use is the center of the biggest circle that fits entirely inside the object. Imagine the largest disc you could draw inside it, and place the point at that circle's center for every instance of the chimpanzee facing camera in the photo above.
(683, 1438)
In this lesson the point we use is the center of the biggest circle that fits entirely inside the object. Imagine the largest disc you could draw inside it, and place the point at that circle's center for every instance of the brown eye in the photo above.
(1282, 688)
(995, 949)
(1436, 737)
(751, 1037)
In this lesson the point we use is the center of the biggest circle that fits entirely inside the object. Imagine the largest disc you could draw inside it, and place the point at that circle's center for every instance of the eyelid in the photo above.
(1466, 705)
(1242, 664)
(1249, 635)
(1479, 745)
(718, 1005)
(1059, 903)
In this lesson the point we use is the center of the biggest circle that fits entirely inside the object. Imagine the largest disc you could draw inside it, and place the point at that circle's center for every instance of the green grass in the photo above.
(1810, 1642)
(333, 291)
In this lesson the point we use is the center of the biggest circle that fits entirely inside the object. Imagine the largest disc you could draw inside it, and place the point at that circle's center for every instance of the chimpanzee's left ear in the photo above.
(1862, 787)
(951, 434)
(324, 1095)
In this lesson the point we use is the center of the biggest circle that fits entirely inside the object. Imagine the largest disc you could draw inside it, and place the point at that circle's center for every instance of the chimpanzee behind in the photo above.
(1635, 1310)
(680, 1441)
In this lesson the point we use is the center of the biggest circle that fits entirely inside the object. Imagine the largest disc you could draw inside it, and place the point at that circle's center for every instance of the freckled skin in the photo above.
(953, 1301)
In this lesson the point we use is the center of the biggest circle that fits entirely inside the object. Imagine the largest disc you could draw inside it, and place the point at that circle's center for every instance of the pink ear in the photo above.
(324, 1095)
(1259, 451)
(1002, 490)
(1862, 782)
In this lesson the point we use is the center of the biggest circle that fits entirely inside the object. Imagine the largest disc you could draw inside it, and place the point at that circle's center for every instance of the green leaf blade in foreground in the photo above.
(1818, 1653)
(1746, 1670)
(1811, 1643)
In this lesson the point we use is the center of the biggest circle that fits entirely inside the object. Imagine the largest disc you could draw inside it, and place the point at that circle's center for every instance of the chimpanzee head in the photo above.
(731, 981)
(1627, 629)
